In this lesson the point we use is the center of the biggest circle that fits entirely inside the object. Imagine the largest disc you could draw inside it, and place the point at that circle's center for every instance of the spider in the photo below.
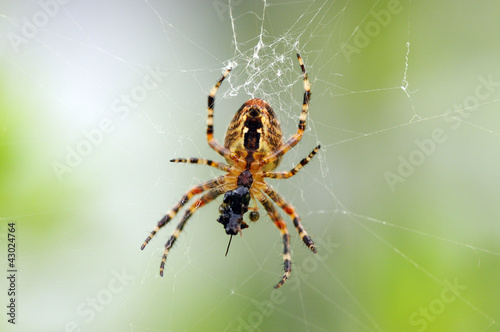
(253, 147)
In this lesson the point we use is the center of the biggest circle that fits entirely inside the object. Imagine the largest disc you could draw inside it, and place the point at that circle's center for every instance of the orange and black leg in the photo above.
(211, 163)
(280, 224)
(212, 142)
(200, 202)
(198, 189)
(292, 141)
(289, 209)
(293, 171)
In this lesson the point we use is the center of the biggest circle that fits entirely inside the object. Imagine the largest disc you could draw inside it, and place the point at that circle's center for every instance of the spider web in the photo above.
(400, 200)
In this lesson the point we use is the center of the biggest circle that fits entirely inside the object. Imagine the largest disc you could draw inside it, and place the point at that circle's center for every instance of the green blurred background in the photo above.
(402, 200)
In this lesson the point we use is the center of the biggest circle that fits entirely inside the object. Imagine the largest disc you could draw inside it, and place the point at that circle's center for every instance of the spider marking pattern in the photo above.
(253, 148)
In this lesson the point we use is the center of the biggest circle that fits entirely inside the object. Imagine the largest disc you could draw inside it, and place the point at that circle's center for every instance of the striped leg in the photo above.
(293, 171)
(292, 141)
(204, 199)
(198, 189)
(288, 208)
(212, 142)
(216, 164)
(281, 225)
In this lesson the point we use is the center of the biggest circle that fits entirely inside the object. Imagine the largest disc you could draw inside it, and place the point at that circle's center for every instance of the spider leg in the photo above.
(281, 225)
(289, 209)
(216, 164)
(198, 189)
(212, 142)
(292, 141)
(203, 200)
(293, 171)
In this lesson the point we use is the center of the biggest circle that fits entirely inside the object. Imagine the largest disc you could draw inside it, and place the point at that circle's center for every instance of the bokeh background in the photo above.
(402, 200)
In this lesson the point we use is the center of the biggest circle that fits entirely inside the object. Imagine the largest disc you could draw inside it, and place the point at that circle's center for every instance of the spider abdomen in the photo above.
(255, 128)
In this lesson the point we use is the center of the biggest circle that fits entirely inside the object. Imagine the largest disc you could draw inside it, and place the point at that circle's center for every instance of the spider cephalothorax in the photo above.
(253, 147)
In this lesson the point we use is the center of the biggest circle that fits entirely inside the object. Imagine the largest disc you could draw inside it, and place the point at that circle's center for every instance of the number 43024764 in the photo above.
(11, 245)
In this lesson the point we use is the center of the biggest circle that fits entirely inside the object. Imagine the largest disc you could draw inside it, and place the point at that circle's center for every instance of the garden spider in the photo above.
(253, 147)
